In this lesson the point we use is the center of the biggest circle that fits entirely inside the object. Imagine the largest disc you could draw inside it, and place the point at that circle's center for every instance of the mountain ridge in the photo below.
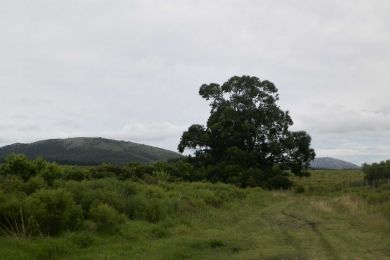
(89, 151)
(331, 163)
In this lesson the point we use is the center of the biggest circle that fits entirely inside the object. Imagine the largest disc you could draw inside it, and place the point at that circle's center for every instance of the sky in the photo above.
(131, 70)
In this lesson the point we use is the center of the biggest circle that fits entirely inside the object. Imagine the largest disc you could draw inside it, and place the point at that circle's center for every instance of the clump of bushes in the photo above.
(377, 172)
(42, 198)
(106, 218)
(299, 189)
(46, 212)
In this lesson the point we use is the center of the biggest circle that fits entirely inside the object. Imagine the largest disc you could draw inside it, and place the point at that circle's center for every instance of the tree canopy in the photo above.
(246, 128)
(377, 171)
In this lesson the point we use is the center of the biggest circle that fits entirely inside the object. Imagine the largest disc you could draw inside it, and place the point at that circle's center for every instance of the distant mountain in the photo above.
(89, 151)
(331, 163)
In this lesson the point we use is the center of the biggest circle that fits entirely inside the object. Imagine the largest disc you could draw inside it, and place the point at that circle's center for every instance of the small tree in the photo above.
(18, 165)
(247, 128)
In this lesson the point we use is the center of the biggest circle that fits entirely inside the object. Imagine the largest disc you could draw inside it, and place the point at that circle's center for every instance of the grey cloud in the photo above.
(146, 132)
(91, 67)
(340, 119)
(355, 147)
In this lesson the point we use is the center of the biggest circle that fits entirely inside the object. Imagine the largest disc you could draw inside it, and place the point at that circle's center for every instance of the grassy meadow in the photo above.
(329, 215)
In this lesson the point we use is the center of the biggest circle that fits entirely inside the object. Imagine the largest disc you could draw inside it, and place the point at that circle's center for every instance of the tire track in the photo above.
(314, 227)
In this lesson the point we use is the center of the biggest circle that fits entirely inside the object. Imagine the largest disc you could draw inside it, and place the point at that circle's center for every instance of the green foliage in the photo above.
(246, 129)
(161, 231)
(75, 173)
(299, 189)
(18, 165)
(47, 212)
(154, 211)
(377, 171)
(51, 172)
(334, 218)
(34, 184)
(12, 217)
(11, 184)
(279, 182)
(54, 211)
(107, 219)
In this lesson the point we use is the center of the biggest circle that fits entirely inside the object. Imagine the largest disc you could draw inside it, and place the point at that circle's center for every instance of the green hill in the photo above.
(331, 164)
(89, 151)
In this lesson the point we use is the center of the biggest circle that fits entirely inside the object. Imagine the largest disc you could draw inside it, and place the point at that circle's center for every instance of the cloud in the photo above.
(86, 68)
(146, 132)
(355, 147)
(339, 119)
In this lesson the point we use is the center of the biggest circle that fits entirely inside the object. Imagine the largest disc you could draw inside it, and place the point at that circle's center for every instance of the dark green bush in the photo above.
(12, 184)
(54, 211)
(299, 189)
(161, 231)
(34, 184)
(279, 182)
(51, 172)
(82, 240)
(12, 216)
(154, 211)
(75, 173)
(107, 219)
(18, 165)
(135, 206)
(377, 171)
(129, 188)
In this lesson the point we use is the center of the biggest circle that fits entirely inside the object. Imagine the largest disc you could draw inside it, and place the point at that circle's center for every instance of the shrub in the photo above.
(82, 240)
(107, 219)
(12, 220)
(377, 171)
(105, 171)
(34, 184)
(209, 198)
(161, 176)
(51, 172)
(279, 182)
(89, 192)
(154, 211)
(299, 189)
(18, 165)
(135, 207)
(54, 211)
(12, 184)
(75, 173)
(161, 231)
(129, 188)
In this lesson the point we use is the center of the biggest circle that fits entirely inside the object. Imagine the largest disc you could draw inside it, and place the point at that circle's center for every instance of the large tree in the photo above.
(247, 128)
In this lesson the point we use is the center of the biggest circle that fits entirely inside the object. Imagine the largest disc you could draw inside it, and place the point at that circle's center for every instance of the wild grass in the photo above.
(331, 219)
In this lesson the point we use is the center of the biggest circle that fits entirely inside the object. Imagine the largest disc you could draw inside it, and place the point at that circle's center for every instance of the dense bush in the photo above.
(107, 219)
(19, 165)
(47, 212)
(34, 184)
(377, 171)
(55, 211)
(42, 198)
(187, 169)
(279, 182)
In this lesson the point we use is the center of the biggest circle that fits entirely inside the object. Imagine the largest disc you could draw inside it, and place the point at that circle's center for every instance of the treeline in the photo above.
(185, 169)
(42, 198)
(377, 172)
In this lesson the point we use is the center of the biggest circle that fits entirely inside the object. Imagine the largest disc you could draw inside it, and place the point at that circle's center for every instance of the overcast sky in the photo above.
(131, 70)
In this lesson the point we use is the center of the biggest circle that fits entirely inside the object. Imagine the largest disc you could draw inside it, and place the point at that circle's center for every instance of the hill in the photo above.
(331, 163)
(89, 151)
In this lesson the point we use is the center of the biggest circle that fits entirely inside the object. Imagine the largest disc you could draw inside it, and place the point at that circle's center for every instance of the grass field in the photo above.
(331, 218)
